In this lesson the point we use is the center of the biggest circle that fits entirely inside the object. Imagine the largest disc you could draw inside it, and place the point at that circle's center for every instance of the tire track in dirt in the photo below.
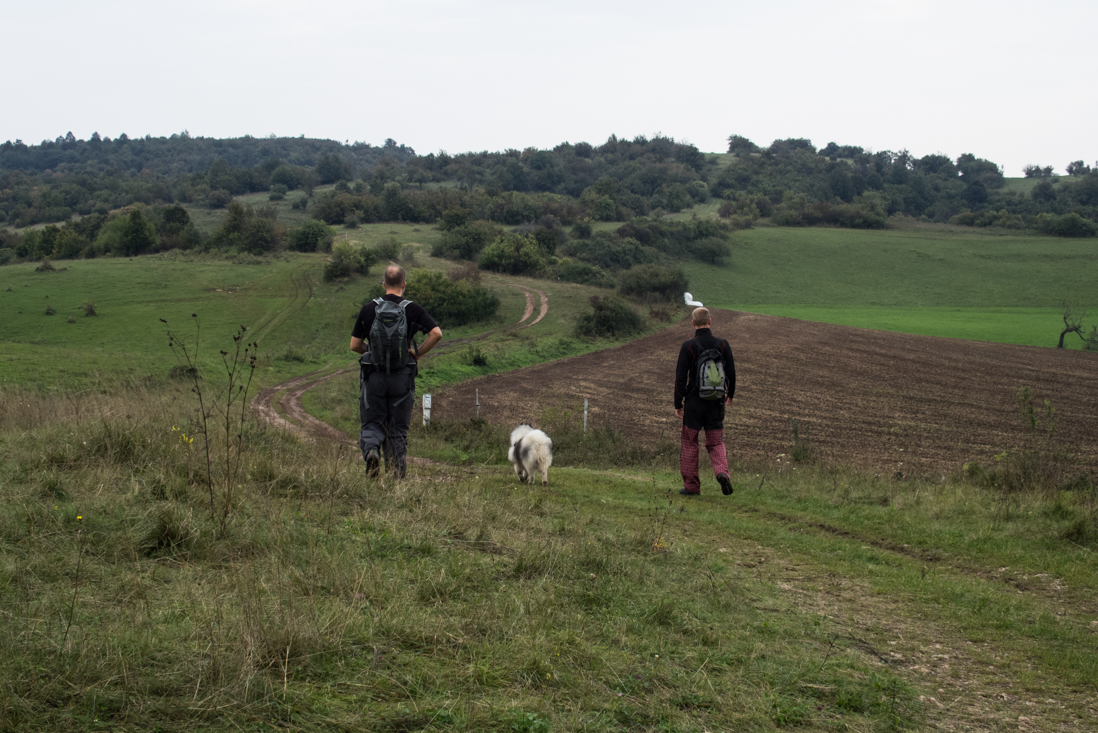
(306, 426)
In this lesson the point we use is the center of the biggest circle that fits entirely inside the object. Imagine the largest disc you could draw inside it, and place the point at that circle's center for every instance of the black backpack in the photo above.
(389, 335)
(711, 378)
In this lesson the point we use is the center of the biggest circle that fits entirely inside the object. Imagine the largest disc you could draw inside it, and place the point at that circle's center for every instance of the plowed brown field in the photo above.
(889, 401)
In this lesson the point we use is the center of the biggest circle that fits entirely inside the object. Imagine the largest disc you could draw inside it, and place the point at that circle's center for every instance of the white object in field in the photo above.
(426, 409)
(690, 300)
(585, 416)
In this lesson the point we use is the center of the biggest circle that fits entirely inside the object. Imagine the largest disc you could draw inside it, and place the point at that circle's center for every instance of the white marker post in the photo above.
(585, 416)
(426, 409)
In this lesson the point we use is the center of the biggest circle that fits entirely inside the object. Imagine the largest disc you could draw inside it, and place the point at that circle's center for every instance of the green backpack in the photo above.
(711, 381)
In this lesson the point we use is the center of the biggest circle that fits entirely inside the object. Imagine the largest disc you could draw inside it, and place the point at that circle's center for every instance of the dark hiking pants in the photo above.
(385, 413)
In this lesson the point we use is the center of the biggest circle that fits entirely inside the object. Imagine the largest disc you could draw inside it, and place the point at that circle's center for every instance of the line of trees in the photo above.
(790, 182)
(57, 179)
(850, 186)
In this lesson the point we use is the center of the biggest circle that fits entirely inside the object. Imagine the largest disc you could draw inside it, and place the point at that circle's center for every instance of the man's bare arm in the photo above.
(429, 343)
(358, 345)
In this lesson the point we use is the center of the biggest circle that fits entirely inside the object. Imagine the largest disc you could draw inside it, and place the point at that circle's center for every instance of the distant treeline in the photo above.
(790, 182)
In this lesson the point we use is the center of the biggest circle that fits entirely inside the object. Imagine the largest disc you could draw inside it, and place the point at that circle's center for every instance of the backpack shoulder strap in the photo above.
(378, 300)
(405, 303)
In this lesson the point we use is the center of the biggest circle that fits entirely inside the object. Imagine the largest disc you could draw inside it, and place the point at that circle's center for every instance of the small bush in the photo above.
(609, 318)
(46, 266)
(582, 229)
(653, 282)
(514, 254)
(89, 310)
(72, 319)
(219, 199)
(312, 236)
(574, 271)
(455, 303)
(388, 250)
(1067, 225)
(347, 260)
(50, 310)
(475, 357)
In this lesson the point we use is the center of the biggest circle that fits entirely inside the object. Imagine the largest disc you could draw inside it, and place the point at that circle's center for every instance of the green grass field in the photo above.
(926, 280)
(142, 590)
(126, 336)
(456, 600)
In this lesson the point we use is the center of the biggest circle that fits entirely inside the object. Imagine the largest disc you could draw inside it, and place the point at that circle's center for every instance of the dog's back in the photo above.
(531, 452)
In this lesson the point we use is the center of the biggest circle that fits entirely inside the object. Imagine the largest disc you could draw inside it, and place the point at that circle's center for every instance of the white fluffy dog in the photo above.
(531, 451)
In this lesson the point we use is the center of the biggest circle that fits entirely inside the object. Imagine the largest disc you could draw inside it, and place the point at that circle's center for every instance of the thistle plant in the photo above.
(221, 414)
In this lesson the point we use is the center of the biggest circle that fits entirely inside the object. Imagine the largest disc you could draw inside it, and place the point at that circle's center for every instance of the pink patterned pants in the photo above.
(688, 457)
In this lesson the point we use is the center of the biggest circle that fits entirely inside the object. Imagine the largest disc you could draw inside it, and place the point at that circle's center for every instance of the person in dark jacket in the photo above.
(698, 414)
(386, 398)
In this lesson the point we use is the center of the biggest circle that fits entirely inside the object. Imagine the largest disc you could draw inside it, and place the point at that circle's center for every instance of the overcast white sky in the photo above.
(1009, 81)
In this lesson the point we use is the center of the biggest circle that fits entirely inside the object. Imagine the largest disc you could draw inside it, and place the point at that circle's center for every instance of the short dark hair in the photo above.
(394, 276)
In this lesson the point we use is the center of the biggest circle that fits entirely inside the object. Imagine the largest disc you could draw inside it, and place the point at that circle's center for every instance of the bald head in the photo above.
(394, 277)
(701, 317)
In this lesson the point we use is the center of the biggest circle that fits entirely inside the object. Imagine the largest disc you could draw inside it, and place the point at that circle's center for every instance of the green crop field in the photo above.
(926, 280)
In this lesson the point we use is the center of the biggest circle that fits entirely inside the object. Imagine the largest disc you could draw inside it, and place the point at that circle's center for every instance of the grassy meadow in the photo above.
(156, 574)
(933, 281)
(143, 588)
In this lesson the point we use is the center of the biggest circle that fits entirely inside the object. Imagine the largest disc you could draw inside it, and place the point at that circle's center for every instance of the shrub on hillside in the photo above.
(466, 240)
(610, 317)
(514, 254)
(249, 230)
(1066, 225)
(312, 236)
(653, 282)
(712, 250)
(581, 229)
(388, 250)
(574, 271)
(610, 252)
(347, 260)
(128, 235)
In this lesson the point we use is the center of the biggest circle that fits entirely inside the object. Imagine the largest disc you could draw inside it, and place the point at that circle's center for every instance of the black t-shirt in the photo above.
(688, 358)
(419, 321)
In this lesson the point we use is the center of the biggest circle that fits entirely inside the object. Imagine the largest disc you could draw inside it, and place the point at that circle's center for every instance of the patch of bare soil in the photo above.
(895, 402)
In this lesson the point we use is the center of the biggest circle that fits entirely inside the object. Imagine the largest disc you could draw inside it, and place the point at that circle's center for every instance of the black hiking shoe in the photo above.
(684, 492)
(725, 482)
(373, 463)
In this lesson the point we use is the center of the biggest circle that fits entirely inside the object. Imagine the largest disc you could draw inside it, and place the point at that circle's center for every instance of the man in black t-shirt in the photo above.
(387, 396)
(698, 414)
